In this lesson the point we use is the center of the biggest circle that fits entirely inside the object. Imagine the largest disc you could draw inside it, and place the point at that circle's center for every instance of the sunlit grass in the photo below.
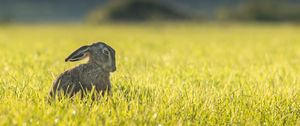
(171, 74)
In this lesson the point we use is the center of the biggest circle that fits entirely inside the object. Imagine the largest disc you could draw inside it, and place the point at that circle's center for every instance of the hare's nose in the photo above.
(113, 69)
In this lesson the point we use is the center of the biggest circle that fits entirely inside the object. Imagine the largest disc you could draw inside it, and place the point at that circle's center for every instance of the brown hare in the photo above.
(85, 77)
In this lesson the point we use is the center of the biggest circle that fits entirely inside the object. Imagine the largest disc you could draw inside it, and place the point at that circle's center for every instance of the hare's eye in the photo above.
(105, 51)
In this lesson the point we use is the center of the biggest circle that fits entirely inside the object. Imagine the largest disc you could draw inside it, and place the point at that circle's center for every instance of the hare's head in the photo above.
(98, 53)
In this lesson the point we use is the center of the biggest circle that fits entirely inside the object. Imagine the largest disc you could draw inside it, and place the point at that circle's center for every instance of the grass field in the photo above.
(170, 74)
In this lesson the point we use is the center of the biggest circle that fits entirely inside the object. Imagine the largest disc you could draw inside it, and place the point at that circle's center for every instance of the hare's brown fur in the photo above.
(84, 77)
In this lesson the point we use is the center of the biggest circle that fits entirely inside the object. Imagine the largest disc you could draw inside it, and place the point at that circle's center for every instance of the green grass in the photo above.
(171, 74)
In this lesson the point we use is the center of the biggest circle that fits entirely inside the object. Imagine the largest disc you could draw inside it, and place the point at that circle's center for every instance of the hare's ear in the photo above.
(79, 54)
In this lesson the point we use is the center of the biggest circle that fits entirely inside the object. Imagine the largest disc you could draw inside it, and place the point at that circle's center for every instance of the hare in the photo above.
(85, 77)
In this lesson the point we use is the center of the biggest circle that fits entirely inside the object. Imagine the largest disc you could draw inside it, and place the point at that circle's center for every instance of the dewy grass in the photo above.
(170, 74)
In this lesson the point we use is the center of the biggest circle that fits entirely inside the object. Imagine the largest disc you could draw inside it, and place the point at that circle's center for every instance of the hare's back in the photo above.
(65, 82)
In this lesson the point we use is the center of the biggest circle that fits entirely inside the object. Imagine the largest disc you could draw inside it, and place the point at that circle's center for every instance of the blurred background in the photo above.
(99, 11)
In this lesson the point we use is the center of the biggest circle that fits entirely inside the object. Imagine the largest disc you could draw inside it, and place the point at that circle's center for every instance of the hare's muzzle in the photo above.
(113, 69)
